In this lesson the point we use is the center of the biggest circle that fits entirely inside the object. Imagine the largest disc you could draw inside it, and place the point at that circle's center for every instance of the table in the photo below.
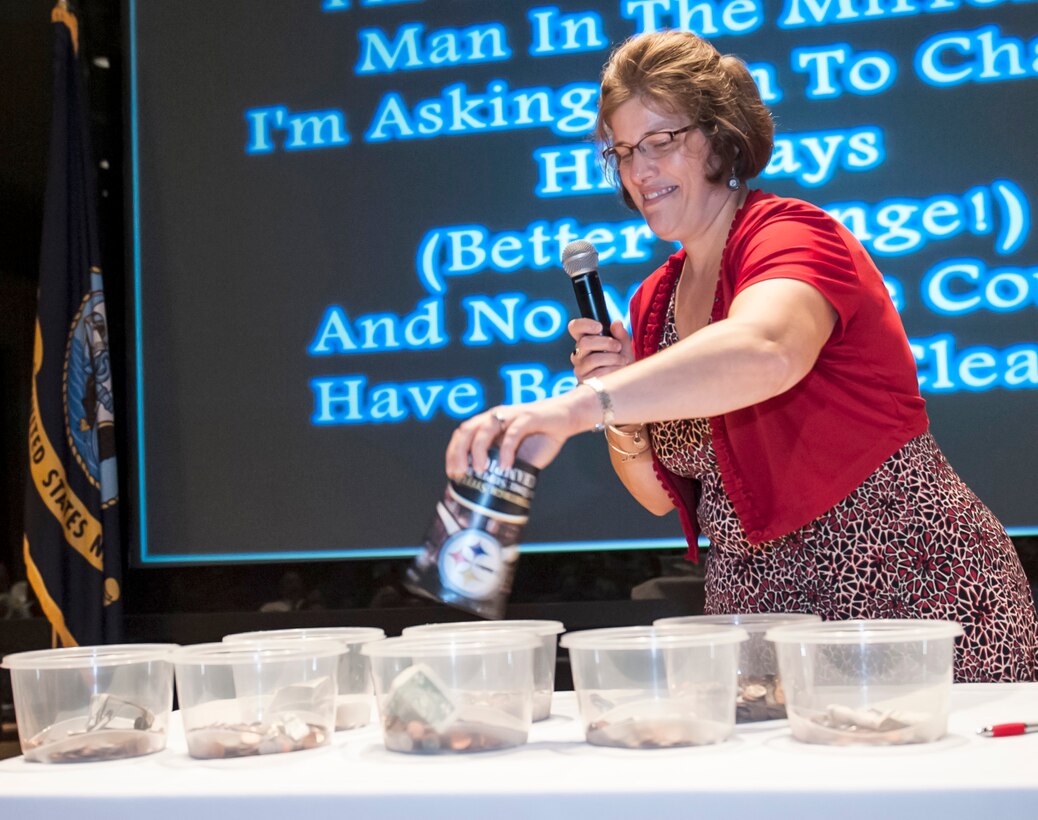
(760, 772)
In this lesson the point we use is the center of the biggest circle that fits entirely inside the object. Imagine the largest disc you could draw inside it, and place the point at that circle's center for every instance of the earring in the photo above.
(733, 182)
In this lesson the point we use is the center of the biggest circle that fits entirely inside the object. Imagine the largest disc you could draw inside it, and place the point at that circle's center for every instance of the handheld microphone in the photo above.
(580, 261)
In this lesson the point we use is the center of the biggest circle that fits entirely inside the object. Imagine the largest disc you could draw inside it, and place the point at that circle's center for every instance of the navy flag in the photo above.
(72, 544)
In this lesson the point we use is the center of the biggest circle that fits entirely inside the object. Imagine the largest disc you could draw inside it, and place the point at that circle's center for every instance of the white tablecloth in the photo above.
(760, 773)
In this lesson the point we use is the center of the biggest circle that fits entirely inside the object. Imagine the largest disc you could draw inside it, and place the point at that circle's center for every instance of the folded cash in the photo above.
(842, 725)
(542, 704)
(844, 717)
(488, 716)
(352, 711)
(109, 711)
(315, 696)
(650, 709)
(418, 694)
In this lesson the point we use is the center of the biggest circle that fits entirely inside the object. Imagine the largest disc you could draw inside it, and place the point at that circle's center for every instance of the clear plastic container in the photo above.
(448, 693)
(760, 695)
(356, 699)
(547, 633)
(92, 703)
(880, 682)
(254, 698)
(646, 687)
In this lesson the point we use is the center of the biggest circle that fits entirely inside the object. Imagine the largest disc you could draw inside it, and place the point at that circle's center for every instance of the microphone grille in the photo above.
(579, 257)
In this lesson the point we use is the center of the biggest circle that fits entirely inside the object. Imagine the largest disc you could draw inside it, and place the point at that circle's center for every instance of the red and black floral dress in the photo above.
(912, 541)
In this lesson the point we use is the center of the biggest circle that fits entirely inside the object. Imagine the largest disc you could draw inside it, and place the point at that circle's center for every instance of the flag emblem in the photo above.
(89, 406)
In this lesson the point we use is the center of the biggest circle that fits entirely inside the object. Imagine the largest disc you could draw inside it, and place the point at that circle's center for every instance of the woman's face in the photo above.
(671, 191)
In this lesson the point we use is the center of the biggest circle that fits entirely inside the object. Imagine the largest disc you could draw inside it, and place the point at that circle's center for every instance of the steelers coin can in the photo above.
(472, 544)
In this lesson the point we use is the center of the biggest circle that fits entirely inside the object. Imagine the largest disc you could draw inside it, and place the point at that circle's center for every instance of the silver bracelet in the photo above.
(603, 399)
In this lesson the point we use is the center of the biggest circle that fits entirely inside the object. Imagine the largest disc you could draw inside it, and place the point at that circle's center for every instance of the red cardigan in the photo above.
(788, 459)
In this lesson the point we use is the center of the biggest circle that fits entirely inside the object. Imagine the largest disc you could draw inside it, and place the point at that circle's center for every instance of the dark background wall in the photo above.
(24, 120)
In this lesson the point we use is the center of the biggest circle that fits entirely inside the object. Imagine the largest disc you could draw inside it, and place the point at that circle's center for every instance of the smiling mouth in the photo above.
(649, 197)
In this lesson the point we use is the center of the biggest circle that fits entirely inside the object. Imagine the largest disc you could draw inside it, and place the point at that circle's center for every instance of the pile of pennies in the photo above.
(287, 733)
(760, 698)
(652, 724)
(461, 735)
(104, 744)
(660, 733)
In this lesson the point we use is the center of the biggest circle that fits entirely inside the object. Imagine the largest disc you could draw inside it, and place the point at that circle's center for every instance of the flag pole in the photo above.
(61, 13)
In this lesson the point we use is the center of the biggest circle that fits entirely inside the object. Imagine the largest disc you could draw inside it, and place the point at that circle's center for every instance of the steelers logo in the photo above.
(471, 564)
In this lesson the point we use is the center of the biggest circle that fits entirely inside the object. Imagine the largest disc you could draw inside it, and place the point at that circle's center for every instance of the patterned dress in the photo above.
(912, 541)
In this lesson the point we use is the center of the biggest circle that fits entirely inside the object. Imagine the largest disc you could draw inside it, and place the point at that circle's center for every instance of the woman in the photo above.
(767, 390)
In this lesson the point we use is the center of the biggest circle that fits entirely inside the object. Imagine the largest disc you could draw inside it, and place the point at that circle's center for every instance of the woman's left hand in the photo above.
(595, 354)
(534, 432)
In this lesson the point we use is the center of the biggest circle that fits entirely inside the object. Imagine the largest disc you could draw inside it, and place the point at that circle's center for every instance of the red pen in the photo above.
(1007, 729)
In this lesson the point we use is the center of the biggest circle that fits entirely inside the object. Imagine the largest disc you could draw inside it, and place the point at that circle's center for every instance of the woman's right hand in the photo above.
(597, 355)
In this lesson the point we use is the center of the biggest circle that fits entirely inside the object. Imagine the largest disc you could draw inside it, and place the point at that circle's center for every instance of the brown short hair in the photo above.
(680, 72)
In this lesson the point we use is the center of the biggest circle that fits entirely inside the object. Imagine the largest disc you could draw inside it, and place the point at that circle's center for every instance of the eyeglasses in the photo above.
(654, 145)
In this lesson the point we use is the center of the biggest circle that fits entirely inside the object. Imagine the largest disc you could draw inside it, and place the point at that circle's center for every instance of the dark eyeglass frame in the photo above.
(612, 153)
